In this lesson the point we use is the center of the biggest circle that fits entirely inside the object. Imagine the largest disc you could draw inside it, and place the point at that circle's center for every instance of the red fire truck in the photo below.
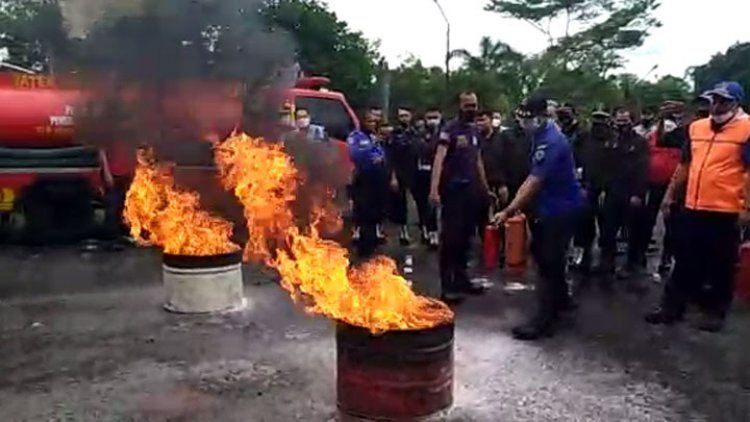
(51, 186)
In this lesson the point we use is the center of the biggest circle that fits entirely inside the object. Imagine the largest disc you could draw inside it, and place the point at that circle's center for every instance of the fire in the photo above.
(314, 270)
(160, 214)
(264, 178)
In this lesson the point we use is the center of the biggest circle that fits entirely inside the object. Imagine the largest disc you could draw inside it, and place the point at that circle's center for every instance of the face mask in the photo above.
(496, 123)
(623, 127)
(433, 122)
(531, 125)
(468, 115)
(722, 112)
(647, 121)
(303, 123)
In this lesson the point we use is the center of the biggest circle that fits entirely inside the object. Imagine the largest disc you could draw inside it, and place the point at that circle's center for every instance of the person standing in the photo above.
(557, 197)
(594, 180)
(714, 166)
(517, 146)
(665, 144)
(304, 126)
(626, 159)
(370, 180)
(493, 159)
(458, 184)
(426, 147)
(400, 148)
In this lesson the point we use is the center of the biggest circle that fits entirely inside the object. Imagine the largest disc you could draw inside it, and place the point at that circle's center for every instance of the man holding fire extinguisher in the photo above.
(558, 198)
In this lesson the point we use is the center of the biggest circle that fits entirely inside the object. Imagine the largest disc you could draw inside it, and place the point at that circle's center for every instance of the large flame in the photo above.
(160, 214)
(314, 270)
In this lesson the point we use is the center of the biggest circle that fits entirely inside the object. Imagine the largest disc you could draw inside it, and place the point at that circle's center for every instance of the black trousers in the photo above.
(617, 213)
(398, 210)
(114, 203)
(550, 237)
(369, 192)
(458, 221)
(704, 262)
(650, 214)
(588, 219)
(421, 193)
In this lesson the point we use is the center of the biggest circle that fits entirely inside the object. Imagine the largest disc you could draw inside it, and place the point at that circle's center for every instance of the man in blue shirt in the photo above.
(369, 189)
(557, 199)
(459, 185)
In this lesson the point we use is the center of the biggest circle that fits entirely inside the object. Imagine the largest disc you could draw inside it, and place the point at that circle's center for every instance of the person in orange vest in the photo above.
(714, 165)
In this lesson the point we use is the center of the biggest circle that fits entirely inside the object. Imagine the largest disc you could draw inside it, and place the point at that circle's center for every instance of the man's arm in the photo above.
(437, 168)
(482, 172)
(680, 176)
(640, 184)
(525, 194)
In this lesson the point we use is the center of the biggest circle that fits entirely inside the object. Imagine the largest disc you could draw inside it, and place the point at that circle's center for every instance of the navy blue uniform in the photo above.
(369, 186)
(460, 197)
(401, 150)
(555, 211)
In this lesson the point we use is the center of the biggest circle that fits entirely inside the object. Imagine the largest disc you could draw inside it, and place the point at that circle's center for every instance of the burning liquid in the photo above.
(315, 271)
(159, 214)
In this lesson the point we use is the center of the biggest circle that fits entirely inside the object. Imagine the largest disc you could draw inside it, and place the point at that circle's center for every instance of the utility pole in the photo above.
(447, 50)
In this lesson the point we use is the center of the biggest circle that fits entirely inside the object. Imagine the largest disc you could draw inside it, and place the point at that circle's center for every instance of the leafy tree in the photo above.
(416, 86)
(31, 31)
(733, 65)
(327, 46)
(607, 28)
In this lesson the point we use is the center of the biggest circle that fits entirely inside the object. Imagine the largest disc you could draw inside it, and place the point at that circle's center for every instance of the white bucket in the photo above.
(208, 284)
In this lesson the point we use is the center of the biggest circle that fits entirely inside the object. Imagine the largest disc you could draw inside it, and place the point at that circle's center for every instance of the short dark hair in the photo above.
(432, 108)
(465, 93)
(405, 108)
(485, 113)
(623, 109)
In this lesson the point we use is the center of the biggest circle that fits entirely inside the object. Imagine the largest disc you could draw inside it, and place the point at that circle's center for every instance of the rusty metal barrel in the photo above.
(395, 376)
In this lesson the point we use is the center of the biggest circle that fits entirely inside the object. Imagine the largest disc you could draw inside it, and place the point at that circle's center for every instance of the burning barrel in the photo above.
(202, 284)
(398, 375)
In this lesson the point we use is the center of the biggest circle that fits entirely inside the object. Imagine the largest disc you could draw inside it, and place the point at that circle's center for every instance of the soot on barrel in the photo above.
(201, 284)
(398, 375)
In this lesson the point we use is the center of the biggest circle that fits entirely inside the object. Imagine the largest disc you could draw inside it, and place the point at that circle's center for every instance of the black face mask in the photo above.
(622, 128)
(467, 115)
(647, 121)
(600, 130)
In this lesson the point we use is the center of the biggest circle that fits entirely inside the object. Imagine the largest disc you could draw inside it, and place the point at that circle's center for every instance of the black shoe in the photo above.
(470, 288)
(534, 330)
(710, 323)
(662, 317)
(452, 297)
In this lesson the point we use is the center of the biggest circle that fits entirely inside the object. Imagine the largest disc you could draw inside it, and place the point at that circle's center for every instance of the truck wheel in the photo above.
(57, 212)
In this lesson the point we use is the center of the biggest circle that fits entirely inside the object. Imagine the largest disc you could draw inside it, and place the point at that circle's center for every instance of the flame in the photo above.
(160, 214)
(264, 178)
(314, 270)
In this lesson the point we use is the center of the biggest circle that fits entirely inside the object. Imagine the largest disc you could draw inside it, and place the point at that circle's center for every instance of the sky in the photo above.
(692, 31)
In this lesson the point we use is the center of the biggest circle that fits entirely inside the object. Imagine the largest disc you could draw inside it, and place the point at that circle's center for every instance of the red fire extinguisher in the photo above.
(515, 243)
(491, 247)
(743, 274)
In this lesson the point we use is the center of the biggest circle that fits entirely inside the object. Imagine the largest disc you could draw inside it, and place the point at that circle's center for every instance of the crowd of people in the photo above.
(602, 177)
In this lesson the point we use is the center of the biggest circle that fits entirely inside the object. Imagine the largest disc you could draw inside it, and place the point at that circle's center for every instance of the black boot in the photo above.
(538, 327)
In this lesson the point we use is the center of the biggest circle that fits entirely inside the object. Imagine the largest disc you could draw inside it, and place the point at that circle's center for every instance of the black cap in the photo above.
(534, 106)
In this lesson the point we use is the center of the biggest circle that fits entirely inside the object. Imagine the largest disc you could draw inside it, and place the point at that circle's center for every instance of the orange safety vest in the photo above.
(717, 173)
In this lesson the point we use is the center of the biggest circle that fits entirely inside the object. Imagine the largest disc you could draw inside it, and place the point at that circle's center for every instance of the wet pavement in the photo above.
(83, 337)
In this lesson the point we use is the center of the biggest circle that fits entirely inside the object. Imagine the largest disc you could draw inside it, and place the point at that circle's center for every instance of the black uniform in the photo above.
(460, 198)
(590, 159)
(401, 151)
(517, 147)
(425, 151)
(493, 158)
(625, 164)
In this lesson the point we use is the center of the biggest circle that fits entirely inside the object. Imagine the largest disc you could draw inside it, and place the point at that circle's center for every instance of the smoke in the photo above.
(170, 73)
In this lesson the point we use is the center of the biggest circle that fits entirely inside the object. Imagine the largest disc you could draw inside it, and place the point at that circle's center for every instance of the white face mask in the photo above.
(432, 122)
(303, 122)
(496, 123)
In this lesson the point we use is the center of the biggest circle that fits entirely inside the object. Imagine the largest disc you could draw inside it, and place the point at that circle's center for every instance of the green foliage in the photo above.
(733, 65)
(327, 46)
(32, 31)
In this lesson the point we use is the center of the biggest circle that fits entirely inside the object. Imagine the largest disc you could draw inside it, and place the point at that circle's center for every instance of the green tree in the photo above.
(733, 65)
(607, 28)
(417, 86)
(32, 31)
(327, 46)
